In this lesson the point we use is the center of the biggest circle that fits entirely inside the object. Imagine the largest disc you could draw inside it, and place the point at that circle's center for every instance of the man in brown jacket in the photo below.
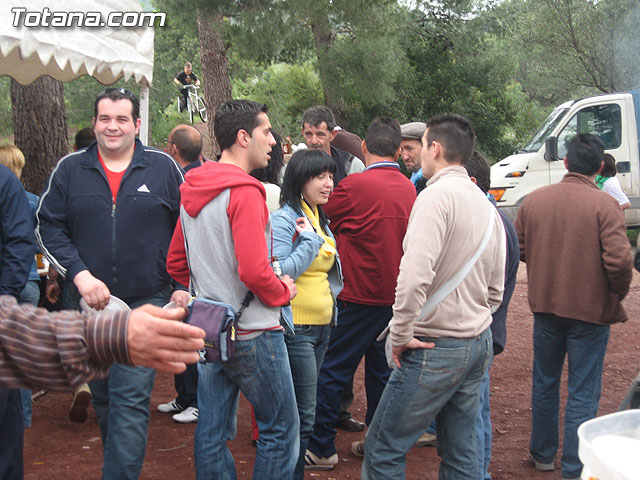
(573, 239)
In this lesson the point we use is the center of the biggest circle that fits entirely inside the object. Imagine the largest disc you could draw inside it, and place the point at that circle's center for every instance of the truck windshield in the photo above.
(547, 127)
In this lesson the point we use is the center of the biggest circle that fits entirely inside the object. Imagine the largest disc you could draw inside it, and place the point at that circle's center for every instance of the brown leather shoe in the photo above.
(80, 404)
(350, 425)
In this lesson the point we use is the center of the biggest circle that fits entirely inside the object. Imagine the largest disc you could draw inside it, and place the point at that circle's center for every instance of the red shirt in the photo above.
(114, 178)
(369, 213)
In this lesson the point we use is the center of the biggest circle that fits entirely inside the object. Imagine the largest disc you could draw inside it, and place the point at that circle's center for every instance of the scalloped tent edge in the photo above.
(104, 53)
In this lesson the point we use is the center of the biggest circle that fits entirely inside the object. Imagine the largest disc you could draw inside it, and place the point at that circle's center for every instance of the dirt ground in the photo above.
(56, 448)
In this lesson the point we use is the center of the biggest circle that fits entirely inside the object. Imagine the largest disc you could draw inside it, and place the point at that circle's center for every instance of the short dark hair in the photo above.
(609, 169)
(456, 135)
(303, 166)
(314, 116)
(85, 137)
(185, 141)
(233, 116)
(585, 154)
(383, 137)
(271, 173)
(116, 94)
(479, 168)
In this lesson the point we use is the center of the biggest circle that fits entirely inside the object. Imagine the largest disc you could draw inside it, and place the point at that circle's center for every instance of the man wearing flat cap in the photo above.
(410, 148)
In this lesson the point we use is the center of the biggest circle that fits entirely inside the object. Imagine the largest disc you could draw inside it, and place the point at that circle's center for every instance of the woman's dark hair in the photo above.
(271, 173)
(303, 166)
(609, 169)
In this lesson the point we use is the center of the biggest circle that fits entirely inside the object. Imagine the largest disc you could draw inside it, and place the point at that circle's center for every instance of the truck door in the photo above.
(604, 121)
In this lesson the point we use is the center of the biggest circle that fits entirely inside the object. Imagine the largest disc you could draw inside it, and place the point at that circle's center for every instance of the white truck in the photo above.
(615, 118)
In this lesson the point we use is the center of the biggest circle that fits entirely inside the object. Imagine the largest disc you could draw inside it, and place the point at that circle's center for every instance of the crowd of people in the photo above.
(334, 257)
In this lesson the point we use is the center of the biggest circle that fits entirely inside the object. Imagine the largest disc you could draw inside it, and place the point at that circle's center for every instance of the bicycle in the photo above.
(194, 103)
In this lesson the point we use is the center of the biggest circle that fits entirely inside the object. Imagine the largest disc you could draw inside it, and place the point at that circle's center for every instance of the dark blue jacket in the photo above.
(499, 323)
(17, 245)
(125, 245)
(33, 206)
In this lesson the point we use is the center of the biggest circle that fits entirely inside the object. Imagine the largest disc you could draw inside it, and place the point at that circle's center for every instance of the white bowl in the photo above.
(609, 446)
(114, 305)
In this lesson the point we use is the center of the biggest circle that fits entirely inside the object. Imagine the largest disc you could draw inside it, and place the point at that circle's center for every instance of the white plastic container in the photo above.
(609, 446)
(114, 305)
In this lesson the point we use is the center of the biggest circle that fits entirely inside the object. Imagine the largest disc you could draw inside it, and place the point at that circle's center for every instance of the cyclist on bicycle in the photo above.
(186, 77)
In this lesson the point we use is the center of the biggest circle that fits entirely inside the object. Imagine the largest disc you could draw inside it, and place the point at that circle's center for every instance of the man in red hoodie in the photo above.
(219, 247)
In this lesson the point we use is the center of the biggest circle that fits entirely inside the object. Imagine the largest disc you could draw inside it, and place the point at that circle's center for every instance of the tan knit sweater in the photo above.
(446, 227)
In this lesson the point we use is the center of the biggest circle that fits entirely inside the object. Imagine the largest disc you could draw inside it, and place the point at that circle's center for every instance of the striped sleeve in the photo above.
(58, 350)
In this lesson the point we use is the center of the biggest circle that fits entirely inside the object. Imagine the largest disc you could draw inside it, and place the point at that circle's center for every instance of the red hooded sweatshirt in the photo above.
(248, 215)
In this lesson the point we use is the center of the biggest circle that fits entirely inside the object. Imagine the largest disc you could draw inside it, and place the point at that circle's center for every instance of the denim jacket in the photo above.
(295, 255)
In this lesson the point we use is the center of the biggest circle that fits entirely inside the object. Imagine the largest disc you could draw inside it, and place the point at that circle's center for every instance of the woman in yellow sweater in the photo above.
(306, 250)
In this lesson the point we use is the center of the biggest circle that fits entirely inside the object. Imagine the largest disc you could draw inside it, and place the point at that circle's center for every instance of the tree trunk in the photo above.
(322, 39)
(215, 66)
(39, 128)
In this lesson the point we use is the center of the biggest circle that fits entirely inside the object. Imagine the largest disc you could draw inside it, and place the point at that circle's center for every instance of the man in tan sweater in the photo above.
(455, 249)
(573, 239)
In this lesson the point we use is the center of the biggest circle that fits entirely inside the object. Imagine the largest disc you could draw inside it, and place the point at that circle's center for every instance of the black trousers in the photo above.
(11, 435)
(187, 386)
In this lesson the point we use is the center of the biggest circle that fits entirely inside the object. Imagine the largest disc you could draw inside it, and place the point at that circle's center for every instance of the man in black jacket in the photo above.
(17, 250)
(480, 174)
(105, 220)
(318, 124)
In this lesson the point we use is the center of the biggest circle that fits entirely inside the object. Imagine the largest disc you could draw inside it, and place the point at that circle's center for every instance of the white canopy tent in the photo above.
(66, 53)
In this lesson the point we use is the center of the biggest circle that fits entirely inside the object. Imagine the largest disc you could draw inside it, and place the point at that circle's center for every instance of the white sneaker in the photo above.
(188, 415)
(170, 407)
(314, 462)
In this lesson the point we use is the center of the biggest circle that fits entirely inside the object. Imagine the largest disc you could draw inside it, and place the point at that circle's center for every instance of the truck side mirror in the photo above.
(623, 167)
(551, 149)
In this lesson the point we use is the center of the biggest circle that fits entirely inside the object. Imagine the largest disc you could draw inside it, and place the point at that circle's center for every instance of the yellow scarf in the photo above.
(314, 304)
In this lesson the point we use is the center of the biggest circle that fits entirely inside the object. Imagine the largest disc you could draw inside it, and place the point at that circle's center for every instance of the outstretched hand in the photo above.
(157, 339)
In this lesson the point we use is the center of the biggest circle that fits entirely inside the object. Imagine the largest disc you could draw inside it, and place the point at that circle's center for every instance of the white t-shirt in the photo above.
(613, 188)
(273, 196)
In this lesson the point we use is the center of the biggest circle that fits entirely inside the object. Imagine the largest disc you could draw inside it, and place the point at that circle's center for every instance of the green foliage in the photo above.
(568, 48)
(165, 120)
(460, 65)
(368, 64)
(6, 121)
(288, 90)
(372, 57)
(175, 44)
(79, 99)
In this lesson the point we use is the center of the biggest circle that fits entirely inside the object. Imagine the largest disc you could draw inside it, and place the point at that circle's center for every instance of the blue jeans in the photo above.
(585, 345)
(483, 430)
(121, 401)
(260, 370)
(25, 398)
(354, 337)
(445, 381)
(306, 351)
(30, 294)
